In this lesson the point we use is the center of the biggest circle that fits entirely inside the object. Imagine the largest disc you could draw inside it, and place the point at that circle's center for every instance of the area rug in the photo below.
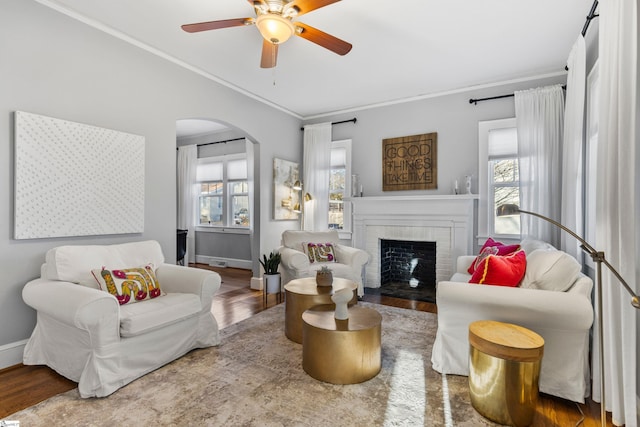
(255, 378)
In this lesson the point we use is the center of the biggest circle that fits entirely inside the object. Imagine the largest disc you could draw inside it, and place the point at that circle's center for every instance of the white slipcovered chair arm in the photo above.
(188, 280)
(527, 307)
(74, 305)
(292, 259)
(463, 263)
(351, 256)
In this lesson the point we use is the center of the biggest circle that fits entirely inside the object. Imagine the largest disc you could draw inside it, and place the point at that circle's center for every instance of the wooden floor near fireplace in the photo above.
(24, 386)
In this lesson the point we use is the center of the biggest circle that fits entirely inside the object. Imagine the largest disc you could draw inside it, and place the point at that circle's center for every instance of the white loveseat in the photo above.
(295, 264)
(85, 335)
(563, 319)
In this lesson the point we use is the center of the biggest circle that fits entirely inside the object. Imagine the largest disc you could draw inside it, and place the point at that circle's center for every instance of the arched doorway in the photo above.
(223, 217)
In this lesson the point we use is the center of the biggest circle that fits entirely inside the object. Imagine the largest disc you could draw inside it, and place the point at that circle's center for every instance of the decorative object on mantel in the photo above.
(324, 276)
(467, 183)
(341, 299)
(410, 162)
(355, 183)
(73, 179)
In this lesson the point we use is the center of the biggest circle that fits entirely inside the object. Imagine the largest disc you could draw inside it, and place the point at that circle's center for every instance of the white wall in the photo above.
(451, 116)
(55, 66)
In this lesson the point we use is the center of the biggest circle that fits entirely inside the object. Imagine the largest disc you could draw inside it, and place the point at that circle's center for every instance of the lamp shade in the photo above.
(297, 185)
(507, 210)
(274, 28)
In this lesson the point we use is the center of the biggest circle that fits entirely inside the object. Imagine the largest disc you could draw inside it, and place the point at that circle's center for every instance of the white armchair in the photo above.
(295, 264)
(85, 335)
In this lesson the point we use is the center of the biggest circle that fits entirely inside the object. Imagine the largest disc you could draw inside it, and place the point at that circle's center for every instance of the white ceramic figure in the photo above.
(341, 298)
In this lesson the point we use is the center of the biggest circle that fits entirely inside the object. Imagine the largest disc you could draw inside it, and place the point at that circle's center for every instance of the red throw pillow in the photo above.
(501, 270)
(502, 249)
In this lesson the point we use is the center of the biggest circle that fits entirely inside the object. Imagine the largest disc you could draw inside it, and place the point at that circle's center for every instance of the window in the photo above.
(223, 200)
(498, 154)
(339, 185)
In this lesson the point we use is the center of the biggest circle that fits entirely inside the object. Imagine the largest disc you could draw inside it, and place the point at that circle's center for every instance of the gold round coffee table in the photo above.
(341, 351)
(504, 367)
(302, 294)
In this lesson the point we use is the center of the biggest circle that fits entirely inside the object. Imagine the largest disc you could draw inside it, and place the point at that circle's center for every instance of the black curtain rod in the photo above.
(592, 14)
(476, 100)
(222, 142)
(354, 120)
(219, 142)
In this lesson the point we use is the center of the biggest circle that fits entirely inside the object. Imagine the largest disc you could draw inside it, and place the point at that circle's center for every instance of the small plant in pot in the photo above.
(271, 275)
(324, 276)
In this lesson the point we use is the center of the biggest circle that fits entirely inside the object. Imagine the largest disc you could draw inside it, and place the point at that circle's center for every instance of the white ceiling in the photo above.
(402, 49)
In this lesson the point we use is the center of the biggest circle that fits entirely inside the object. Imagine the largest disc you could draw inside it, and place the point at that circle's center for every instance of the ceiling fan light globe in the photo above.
(274, 28)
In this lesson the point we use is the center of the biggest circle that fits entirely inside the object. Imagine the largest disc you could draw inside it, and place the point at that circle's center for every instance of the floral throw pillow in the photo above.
(502, 249)
(129, 285)
(319, 252)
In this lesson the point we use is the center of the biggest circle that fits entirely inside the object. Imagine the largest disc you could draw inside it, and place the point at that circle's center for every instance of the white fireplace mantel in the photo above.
(446, 219)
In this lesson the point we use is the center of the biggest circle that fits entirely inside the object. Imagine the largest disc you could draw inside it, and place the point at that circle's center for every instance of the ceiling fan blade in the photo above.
(323, 39)
(269, 54)
(306, 6)
(214, 25)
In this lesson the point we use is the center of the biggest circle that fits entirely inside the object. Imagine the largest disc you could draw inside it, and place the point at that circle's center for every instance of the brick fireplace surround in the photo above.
(447, 220)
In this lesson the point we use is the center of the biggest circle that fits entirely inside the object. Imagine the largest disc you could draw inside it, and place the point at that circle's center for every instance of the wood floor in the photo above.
(23, 386)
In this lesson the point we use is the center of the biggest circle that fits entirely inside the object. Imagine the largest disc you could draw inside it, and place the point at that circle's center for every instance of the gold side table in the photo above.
(302, 294)
(504, 367)
(341, 351)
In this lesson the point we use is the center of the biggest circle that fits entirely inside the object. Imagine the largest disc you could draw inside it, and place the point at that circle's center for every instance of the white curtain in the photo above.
(540, 122)
(572, 212)
(618, 206)
(316, 167)
(186, 183)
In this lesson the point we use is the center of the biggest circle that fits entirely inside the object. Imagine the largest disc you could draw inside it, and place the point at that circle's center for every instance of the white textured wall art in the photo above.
(73, 179)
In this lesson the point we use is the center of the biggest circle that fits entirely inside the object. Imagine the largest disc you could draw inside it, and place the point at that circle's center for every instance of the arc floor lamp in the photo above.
(599, 259)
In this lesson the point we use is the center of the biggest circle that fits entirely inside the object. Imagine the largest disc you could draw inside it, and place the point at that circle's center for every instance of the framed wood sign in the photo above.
(410, 162)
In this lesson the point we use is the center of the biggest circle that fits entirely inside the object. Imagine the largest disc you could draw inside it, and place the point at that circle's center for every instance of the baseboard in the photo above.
(256, 283)
(11, 354)
(224, 262)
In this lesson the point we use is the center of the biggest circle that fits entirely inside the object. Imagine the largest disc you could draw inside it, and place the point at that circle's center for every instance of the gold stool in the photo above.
(341, 351)
(504, 366)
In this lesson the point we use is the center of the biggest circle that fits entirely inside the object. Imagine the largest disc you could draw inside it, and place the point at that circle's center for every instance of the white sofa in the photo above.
(563, 319)
(85, 335)
(295, 263)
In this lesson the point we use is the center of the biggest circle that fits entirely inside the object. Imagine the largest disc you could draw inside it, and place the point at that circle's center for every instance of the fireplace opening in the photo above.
(408, 269)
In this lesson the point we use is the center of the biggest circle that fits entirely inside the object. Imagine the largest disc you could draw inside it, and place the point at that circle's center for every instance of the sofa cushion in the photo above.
(550, 270)
(129, 285)
(295, 238)
(73, 263)
(319, 252)
(494, 247)
(529, 245)
(499, 270)
(138, 319)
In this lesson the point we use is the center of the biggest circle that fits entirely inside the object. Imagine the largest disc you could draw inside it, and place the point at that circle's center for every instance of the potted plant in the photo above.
(324, 276)
(271, 275)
